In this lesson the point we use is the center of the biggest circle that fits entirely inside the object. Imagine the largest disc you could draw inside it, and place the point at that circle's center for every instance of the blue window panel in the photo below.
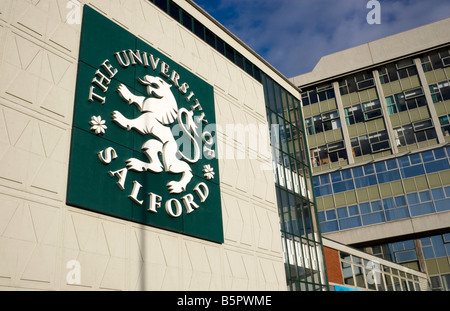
(415, 159)
(437, 166)
(412, 171)
(400, 201)
(425, 241)
(353, 210)
(329, 226)
(365, 208)
(422, 209)
(368, 169)
(361, 182)
(358, 171)
(398, 246)
(446, 237)
(323, 190)
(321, 216)
(351, 222)
(325, 179)
(342, 212)
(346, 174)
(373, 218)
(409, 244)
(448, 151)
(349, 185)
(406, 256)
(425, 196)
(388, 203)
(397, 213)
(439, 154)
(428, 252)
(343, 186)
(336, 176)
(331, 214)
(376, 206)
(380, 167)
(447, 191)
(438, 246)
(413, 198)
(438, 193)
(391, 164)
(428, 156)
(316, 181)
(372, 180)
(388, 176)
(403, 161)
(442, 205)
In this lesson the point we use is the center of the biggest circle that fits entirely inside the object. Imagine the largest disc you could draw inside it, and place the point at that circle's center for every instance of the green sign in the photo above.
(143, 137)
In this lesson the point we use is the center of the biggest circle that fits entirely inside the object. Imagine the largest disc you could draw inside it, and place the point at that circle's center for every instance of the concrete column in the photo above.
(420, 257)
(340, 106)
(431, 108)
(387, 119)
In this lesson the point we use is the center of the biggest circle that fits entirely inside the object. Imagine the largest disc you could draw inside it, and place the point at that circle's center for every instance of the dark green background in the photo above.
(89, 185)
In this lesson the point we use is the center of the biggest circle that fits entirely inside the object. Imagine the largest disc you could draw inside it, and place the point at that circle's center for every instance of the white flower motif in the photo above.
(98, 125)
(208, 171)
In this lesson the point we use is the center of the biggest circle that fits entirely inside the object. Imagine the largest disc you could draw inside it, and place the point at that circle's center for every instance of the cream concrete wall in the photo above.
(378, 51)
(40, 235)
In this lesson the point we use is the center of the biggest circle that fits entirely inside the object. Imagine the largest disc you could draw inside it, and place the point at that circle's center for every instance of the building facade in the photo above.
(93, 192)
(353, 270)
(376, 117)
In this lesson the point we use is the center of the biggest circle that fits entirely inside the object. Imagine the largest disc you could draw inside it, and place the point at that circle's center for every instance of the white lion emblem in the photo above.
(159, 110)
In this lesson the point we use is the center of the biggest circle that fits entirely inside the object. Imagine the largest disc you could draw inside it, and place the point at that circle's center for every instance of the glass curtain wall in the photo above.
(301, 238)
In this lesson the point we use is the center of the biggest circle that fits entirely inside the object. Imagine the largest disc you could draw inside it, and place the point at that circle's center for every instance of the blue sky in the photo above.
(293, 35)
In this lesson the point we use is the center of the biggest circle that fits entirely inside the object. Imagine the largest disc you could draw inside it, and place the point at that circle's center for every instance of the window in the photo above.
(401, 70)
(325, 92)
(363, 112)
(414, 133)
(436, 60)
(330, 121)
(440, 92)
(210, 38)
(372, 110)
(407, 100)
(347, 86)
(321, 93)
(445, 124)
(325, 154)
(199, 29)
(324, 122)
(354, 115)
(162, 4)
(229, 53)
(364, 80)
(174, 11)
(309, 126)
(187, 20)
(370, 144)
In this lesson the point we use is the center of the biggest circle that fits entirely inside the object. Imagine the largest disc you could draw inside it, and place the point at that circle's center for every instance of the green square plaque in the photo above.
(143, 137)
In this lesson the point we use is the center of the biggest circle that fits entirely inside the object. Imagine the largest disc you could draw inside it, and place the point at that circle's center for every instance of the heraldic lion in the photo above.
(159, 110)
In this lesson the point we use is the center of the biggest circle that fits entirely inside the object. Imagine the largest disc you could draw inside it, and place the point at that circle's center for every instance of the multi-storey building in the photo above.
(377, 120)
(98, 191)
(86, 202)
